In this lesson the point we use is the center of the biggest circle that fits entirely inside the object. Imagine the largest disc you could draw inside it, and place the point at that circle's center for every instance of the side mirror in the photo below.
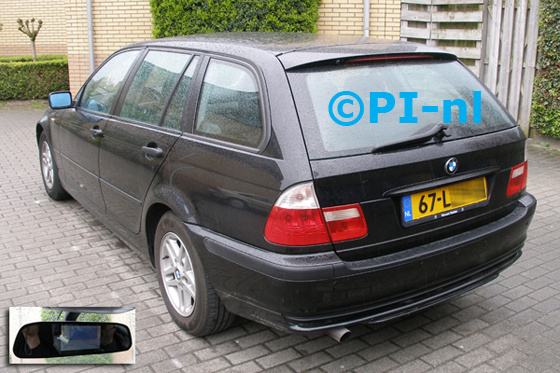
(60, 100)
(69, 338)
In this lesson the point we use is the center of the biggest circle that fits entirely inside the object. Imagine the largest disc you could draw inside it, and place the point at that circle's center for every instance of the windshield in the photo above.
(352, 109)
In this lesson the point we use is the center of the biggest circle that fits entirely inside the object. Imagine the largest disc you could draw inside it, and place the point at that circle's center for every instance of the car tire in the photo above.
(187, 292)
(49, 171)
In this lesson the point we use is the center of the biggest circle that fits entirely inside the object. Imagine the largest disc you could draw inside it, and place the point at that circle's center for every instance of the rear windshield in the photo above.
(351, 109)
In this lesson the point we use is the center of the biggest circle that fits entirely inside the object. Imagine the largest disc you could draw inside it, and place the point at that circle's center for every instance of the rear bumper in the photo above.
(304, 293)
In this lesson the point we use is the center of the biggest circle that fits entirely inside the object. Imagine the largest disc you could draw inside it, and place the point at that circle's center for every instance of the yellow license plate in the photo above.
(444, 201)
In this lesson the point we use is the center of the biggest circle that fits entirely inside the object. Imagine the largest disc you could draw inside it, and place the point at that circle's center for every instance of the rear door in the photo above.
(137, 140)
(420, 144)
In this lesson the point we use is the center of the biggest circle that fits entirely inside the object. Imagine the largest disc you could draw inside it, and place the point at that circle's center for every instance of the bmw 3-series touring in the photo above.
(302, 181)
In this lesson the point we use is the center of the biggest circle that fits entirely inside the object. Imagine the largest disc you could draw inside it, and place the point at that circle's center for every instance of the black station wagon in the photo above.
(301, 181)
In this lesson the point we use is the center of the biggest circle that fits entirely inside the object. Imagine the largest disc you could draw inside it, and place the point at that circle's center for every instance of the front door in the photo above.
(82, 128)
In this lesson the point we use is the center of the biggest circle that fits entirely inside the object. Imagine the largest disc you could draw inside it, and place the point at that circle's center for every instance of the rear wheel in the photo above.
(187, 292)
(49, 171)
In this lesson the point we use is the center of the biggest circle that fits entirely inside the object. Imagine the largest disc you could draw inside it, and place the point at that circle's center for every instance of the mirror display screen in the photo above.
(79, 337)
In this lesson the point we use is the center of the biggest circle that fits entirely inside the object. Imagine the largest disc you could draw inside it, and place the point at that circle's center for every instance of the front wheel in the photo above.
(187, 292)
(49, 171)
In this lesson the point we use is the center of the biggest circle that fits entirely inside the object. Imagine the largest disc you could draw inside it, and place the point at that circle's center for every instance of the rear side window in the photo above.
(152, 86)
(432, 81)
(229, 106)
(102, 89)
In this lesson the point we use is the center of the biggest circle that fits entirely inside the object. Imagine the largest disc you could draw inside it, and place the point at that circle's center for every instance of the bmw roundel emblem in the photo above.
(451, 166)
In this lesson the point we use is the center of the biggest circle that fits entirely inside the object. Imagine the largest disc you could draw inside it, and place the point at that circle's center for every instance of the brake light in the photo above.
(517, 179)
(390, 57)
(297, 220)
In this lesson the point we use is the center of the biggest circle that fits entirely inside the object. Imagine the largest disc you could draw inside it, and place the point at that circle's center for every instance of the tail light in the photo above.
(517, 179)
(345, 222)
(297, 220)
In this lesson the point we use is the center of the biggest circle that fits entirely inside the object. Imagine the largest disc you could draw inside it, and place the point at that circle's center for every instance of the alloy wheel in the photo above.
(178, 274)
(47, 165)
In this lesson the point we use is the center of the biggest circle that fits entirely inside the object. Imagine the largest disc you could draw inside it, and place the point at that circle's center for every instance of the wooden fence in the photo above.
(496, 39)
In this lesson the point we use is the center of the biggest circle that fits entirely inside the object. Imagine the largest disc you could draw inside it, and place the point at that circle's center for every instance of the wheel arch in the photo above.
(39, 129)
(161, 198)
(153, 216)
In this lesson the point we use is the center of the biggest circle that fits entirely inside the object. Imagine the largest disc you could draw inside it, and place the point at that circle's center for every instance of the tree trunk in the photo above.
(33, 50)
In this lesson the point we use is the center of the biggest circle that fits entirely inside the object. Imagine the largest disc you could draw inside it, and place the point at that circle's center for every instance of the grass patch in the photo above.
(39, 105)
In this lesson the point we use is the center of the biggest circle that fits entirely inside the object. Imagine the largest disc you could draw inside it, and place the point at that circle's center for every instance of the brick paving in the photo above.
(56, 253)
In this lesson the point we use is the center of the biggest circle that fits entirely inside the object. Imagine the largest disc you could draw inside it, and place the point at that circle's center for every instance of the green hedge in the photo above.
(22, 79)
(185, 17)
(45, 57)
(545, 115)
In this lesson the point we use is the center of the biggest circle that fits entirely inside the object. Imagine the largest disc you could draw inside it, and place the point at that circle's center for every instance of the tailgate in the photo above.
(383, 184)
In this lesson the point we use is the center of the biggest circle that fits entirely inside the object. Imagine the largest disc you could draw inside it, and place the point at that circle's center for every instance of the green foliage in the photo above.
(82, 359)
(45, 57)
(545, 115)
(54, 315)
(97, 317)
(184, 17)
(29, 31)
(51, 315)
(24, 80)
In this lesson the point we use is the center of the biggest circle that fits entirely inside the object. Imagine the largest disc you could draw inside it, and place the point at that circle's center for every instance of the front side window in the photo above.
(101, 91)
(229, 106)
(152, 86)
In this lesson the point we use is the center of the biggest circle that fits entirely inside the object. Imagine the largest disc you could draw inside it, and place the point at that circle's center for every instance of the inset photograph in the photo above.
(72, 335)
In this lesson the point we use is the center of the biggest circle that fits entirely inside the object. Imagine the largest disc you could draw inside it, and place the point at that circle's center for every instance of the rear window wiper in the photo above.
(437, 132)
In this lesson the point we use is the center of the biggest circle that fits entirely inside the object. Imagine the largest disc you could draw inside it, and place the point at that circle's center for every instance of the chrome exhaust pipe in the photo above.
(340, 334)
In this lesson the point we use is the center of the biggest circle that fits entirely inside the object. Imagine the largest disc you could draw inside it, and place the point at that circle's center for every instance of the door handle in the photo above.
(96, 132)
(152, 152)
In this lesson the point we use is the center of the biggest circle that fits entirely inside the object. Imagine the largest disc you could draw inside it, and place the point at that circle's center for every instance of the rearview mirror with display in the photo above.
(69, 338)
